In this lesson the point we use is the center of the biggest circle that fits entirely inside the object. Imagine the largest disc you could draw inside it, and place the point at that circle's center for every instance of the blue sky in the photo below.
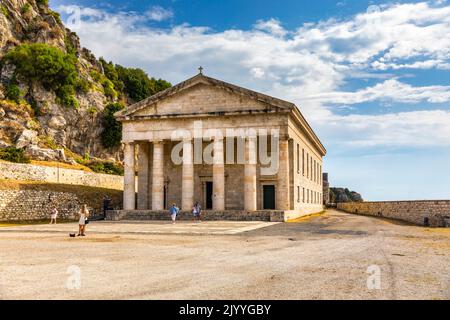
(372, 77)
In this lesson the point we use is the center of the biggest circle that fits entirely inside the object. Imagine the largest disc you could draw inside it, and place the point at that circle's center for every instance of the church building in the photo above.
(240, 154)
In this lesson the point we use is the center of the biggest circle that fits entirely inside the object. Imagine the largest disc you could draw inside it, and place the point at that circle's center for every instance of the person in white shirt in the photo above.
(53, 215)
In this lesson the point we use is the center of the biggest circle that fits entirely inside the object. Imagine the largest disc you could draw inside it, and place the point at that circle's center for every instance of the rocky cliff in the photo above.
(339, 195)
(56, 115)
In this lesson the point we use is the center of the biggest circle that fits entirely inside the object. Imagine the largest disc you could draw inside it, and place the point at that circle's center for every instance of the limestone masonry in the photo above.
(436, 211)
(158, 128)
(20, 171)
(35, 202)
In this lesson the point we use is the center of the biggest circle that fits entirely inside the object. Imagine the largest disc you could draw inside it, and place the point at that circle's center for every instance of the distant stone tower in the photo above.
(326, 189)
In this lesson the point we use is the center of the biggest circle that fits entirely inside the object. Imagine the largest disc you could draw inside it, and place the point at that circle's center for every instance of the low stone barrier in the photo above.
(31, 172)
(232, 215)
(435, 213)
(30, 204)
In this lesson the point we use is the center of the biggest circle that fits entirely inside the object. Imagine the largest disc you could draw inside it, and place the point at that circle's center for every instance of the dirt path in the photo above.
(325, 257)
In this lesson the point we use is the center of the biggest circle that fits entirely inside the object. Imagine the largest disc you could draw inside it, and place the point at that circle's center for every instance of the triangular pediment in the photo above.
(203, 95)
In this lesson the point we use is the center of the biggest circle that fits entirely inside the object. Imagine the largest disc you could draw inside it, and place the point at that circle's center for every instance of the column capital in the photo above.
(157, 141)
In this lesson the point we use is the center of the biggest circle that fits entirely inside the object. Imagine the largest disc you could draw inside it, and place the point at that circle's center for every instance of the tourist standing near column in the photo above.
(197, 212)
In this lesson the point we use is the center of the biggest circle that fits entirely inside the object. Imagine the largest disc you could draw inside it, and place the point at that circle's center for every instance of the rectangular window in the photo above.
(317, 172)
(303, 161)
(298, 194)
(307, 165)
(321, 175)
(303, 198)
(308, 196)
(298, 158)
(314, 175)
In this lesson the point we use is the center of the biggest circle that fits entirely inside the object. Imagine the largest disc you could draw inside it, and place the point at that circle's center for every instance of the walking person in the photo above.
(84, 214)
(174, 210)
(197, 212)
(53, 215)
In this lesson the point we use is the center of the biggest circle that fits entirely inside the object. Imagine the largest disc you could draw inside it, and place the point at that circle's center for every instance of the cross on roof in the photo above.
(200, 70)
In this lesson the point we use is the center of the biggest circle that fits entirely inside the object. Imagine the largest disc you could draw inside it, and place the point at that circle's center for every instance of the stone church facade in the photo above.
(229, 148)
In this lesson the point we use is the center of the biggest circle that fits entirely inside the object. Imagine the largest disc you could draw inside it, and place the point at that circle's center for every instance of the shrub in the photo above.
(66, 96)
(14, 154)
(39, 62)
(42, 2)
(108, 89)
(112, 129)
(13, 93)
(83, 85)
(92, 110)
(25, 8)
(56, 15)
(106, 167)
(4, 11)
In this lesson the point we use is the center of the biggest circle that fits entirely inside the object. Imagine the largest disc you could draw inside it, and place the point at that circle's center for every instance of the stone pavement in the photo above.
(147, 227)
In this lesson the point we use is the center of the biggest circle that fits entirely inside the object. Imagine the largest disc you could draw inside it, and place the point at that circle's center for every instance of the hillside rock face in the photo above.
(55, 126)
(339, 195)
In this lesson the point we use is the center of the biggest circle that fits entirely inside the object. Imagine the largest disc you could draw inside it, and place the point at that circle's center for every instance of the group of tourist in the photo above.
(83, 215)
(196, 212)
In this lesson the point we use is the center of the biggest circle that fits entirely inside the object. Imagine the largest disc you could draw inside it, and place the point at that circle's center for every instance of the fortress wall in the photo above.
(36, 203)
(21, 171)
(410, 211)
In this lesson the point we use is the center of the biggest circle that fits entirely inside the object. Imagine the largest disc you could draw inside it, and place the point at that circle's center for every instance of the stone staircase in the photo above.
(207, 215)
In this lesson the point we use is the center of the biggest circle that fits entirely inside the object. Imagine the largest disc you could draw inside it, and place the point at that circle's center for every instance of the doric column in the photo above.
(129, 181)
(142, 200)
(187, 192)
(218, 176)
(282, 194)
(250, 174)
(158, 176)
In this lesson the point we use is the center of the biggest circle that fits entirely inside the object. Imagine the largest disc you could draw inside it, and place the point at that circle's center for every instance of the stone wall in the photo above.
(410, 211)
(20, 171)
(34, 202)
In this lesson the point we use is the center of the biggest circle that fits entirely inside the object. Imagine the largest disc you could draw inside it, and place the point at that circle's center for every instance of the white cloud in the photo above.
(158, 13)
(392, 90)
(307, 66)
(273, 26)
(407, 129)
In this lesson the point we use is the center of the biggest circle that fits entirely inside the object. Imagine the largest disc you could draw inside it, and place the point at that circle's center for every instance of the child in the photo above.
(53, 215)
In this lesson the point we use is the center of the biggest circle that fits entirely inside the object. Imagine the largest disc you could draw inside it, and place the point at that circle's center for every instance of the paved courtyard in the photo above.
(322, 257)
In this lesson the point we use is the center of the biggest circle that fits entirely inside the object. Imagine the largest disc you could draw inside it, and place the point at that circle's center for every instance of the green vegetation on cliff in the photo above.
(13, 154)
(54, 69)
(112, 129)
(133, 82)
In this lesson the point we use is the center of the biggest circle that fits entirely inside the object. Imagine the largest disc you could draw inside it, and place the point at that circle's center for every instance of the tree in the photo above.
(112, 129)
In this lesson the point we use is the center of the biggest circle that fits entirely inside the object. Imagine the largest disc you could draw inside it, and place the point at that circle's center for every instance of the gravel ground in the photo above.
(324, 257)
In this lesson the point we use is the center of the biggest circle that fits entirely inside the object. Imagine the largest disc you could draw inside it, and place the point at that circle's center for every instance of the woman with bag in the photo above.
(84, 214)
